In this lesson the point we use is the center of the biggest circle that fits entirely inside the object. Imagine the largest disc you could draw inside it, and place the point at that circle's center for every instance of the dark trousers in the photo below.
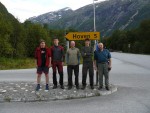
(57, 65)
(87, 66)
(70, 69)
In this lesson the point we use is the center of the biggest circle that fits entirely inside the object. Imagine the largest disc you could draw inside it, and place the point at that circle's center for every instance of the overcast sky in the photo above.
(23, 9)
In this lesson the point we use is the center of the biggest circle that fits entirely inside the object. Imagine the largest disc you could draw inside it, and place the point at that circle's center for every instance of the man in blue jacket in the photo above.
(103, 59)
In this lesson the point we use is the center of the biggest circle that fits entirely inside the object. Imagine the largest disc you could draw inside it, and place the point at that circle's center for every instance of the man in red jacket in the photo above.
(42, 55)
(58, 57)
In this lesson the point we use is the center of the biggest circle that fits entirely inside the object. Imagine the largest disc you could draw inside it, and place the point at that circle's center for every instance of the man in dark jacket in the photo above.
(58, 57)
(87, 53)
(42, 55)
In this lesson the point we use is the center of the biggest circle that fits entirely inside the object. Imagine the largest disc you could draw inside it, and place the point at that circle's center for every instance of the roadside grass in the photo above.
(16, 63)
(20, 63)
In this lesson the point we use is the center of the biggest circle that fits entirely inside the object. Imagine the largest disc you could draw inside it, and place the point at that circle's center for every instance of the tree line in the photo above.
(133, 41)
(18, 40)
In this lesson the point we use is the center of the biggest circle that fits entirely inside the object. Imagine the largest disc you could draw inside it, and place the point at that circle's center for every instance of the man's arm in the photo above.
(78, 55)
(83, 52)
(110, 62)
(63, 56)
(90, 53)
(95, 65)
(67, 57)
(50, 62)
(95, 61)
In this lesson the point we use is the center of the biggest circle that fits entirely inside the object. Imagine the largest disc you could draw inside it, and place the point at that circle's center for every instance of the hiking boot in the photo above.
(107, 88)
(69, 87)
(77, 87)
(92, 87)
(83, 87)
(54, 87)
(100, 87)
(37, 87)
(47, 87)
(62, 87)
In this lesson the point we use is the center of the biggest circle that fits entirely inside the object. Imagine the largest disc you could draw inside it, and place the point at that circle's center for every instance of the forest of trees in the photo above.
(19, 40)
(133, 41)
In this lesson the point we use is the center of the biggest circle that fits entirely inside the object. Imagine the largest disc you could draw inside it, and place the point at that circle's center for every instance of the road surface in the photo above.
(130, 72)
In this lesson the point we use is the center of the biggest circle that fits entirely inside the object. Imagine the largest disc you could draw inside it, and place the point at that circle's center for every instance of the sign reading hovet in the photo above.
(83, 35)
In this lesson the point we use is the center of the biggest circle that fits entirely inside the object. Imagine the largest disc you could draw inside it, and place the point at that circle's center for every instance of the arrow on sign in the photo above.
(83, 35)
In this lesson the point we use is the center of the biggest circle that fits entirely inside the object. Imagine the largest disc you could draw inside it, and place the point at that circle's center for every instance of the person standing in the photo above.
(58, 57)
(102, 57)
(42, 55)
(87, 53)
(73, 61)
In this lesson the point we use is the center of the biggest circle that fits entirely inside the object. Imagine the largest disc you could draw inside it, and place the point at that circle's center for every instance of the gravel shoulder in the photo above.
(25, 92)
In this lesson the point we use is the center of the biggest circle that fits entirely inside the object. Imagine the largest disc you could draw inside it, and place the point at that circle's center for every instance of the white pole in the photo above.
(95, 40)
(67, 45)
(67, 42)
(94, 15)
(94, 22)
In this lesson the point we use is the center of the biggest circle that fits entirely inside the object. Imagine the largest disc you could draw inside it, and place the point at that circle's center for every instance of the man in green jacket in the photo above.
(73, 61)
(87, 53)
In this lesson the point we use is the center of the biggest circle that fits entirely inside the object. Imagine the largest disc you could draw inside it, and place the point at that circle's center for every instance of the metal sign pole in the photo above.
(95, 42)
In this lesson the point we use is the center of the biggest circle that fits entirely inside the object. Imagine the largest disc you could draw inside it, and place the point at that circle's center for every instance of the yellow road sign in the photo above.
(83, 35)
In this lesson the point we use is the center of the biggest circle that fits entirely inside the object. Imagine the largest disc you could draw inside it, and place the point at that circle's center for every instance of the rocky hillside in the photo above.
(110, 15)
(51, 17)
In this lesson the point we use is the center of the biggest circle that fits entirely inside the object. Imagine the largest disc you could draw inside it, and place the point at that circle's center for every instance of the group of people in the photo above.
(55, 57)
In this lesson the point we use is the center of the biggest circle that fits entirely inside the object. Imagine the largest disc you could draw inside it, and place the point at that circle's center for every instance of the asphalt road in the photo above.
(130, 72)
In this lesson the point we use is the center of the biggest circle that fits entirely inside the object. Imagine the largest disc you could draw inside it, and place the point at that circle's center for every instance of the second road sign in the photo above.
(83, 35)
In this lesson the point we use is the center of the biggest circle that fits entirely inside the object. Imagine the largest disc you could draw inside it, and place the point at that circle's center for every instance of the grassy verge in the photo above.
(19, 63)
(16, 63)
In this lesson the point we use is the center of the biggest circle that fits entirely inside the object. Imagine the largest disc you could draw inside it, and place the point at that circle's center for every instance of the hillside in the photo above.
(110, 15)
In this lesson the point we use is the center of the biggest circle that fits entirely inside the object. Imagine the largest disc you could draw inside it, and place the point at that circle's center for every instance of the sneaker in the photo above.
(54, 87)
(83, 87)
(47, 87)
(100, 87)
(69, 87)
(62, 87)
(37, 87)
(107, 88)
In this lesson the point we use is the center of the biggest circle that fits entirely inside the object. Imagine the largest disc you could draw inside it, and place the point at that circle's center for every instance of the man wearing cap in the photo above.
(87, 53)
(102, 57)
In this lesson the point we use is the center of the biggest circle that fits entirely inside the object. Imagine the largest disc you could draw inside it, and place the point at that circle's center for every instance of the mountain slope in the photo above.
(51, 17)
(110, 15)
(4, 14)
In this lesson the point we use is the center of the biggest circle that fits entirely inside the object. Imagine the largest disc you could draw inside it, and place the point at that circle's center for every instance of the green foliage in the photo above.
(16, 63)
(34, 32)
(19, 40)
(135, 41)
